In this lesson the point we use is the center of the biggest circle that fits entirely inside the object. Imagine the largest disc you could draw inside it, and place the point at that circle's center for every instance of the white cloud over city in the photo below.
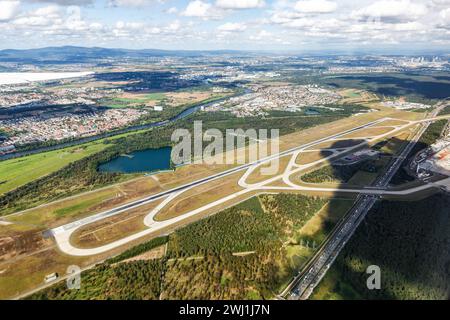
(227, 24)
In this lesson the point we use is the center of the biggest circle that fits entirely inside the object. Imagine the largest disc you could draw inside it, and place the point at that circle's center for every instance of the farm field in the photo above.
(169, 99)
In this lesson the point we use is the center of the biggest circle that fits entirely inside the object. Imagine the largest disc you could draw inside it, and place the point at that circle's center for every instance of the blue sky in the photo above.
(304, 25)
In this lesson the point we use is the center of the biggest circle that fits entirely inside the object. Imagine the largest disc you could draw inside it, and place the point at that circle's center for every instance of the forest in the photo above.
(141, 248)
(339, 173)
(416, 87)
(124, 281)
(248, 251)
(408, 241)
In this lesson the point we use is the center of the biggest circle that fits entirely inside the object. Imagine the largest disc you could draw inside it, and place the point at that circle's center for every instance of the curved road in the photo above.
(63, 233)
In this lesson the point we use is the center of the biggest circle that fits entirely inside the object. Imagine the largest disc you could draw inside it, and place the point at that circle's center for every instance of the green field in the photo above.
(123, 102)
(20, 171)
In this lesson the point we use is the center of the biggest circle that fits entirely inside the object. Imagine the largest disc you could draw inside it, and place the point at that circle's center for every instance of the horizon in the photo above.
(257, 51)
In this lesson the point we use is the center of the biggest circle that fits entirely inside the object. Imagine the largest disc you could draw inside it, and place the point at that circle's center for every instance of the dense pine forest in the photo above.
(410, 243)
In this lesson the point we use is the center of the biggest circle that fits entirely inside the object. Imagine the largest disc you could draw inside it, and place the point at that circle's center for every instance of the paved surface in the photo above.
(63, 233)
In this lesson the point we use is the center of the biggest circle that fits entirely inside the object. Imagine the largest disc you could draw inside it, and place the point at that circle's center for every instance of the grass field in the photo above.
(199, 196)
(318, 227)
(258, 175)
(311, 156)
(136, 99)
(336, 144)
(332, 287)
(112, 229)
(67, 210)
(20, 171)
(369, 132)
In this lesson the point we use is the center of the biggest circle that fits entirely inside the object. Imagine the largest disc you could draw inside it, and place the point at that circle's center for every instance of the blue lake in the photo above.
(139, 161)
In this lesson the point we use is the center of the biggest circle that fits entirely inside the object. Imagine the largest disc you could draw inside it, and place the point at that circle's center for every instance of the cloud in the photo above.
(441, 2)
(41, 17)
(197, 8)
(64, 2)
(409, 26)
(261, 35)
(201, 9)
(315, 6)
(282, 17)
(445, 14)
(240, 4)
(172, 10)
(444, 19)
(174, 26)
(8, 9)
(391, 11)
(232, 27)
(131, 3)
(53, 20)
(326, 23)
(403, 21)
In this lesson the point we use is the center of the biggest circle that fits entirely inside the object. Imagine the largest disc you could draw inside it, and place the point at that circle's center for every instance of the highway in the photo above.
(302, 286)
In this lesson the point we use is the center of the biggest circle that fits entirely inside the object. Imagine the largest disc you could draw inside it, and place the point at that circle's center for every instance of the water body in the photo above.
(139, 161)
(181, 115)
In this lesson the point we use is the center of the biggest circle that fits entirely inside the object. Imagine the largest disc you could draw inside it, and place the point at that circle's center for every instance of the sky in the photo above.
(275, 25)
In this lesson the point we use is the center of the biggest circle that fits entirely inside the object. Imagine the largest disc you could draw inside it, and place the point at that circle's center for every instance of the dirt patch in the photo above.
(21, 244)
(312, 156)
(156, 253)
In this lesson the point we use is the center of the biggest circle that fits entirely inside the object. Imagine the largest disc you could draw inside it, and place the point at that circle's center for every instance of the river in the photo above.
(185, 113)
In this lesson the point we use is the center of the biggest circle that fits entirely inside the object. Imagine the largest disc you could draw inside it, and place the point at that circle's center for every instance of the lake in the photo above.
(139, 161)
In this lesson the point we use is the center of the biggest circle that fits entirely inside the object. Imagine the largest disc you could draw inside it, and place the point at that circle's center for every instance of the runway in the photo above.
(63, 233)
